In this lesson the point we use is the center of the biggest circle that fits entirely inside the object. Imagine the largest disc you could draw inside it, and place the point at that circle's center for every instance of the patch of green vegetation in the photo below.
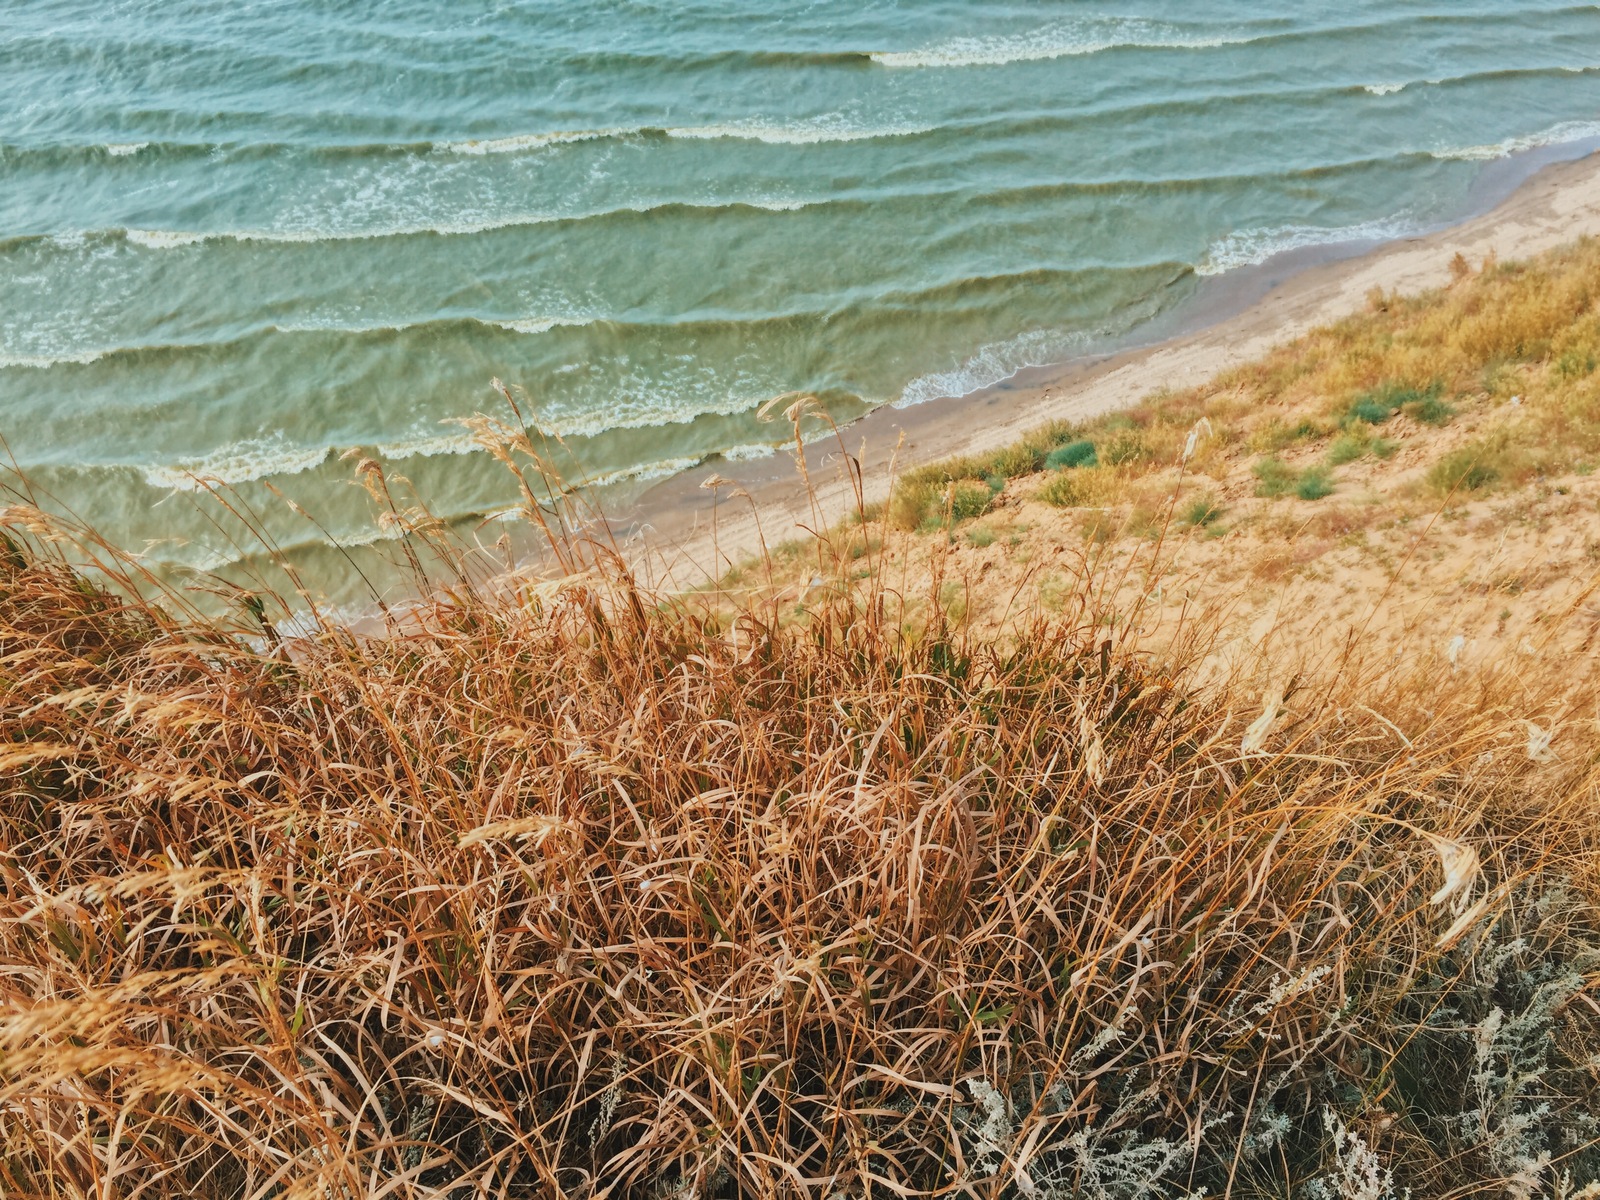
(1080, 453)
(1469, 469)
(1063, 491)
(968, 499)
(1575, 364)
(1357, 442)
(1347, 447)
(1377, 406)
(1314, 483)
(1274, 477)
(1126, 447)
(981, 536)
(1201, 512)
(1278, 434)
(1277, 478)
(1430, 410)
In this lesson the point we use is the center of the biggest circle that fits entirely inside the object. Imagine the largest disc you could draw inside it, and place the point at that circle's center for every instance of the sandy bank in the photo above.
(672, 540)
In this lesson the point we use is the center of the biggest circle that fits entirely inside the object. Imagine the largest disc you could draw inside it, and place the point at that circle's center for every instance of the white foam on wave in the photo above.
(1567, 131)
(1384, 89)
(804, 133)
(124, 149)
(163, 239)
(528, 141)
(542, 324)
(1052, 41)
(43, 362)
(241, 462)
(429, 445)
(994, 363)
(167, 239)
(748, 453)
(1247, 247)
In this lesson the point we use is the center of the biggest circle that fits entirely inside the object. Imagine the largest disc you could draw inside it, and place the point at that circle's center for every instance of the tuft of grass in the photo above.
(1201, 512)
(1314, 483)
(969, 499)
(1471, 468)
(1377, 406)
(1063, 491)
(1429, 410)
(1126, 447)
(1274, 477)
(1080, 453)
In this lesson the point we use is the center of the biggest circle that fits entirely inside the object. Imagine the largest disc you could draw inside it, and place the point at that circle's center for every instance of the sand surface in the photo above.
(681, 534)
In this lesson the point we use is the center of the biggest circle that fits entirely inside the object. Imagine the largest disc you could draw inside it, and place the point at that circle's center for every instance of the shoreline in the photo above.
(678, 535)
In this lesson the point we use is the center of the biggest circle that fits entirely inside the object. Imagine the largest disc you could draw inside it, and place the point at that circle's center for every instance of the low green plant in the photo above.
(969, 498)
(1348, 447)
(1314, 483)
(1062, 491)
(1124, 447)
(1074, 454)
(1575, 364)
(1469, 469)
(1274, 477)
(1357, 442)
(1201, 511)
(1377, 406)
(981, 536)
(1430, 410)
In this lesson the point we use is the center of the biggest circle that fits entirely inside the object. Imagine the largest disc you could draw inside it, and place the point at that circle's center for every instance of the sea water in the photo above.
(241, 242)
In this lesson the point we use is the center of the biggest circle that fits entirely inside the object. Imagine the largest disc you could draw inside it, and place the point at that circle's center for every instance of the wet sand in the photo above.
(1526, 205)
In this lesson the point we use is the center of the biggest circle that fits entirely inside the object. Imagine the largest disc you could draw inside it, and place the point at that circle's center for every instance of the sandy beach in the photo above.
(670, 536)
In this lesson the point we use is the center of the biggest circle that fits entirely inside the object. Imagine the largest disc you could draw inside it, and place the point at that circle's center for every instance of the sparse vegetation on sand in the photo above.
(569, 889)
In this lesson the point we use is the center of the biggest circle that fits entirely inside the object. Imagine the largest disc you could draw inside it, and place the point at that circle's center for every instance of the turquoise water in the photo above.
(238, 240)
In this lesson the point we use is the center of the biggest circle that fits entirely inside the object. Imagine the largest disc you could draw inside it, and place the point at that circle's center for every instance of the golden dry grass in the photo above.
(572, 890)
(567, 895)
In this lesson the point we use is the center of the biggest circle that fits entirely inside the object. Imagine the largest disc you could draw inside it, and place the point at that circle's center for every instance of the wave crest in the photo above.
(1053, 41)
(1566, 131)
(1248, 247)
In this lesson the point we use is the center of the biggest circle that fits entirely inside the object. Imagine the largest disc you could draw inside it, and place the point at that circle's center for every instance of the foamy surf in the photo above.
(1055, 41)
(163, 239)
(43, 362)
(1250, 247)
(806, 133)
(1566, 131)
(994, 363)
(240, 462)
(125, 149)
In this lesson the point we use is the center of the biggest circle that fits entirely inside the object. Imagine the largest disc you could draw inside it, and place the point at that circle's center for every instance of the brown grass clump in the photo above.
(566, 893)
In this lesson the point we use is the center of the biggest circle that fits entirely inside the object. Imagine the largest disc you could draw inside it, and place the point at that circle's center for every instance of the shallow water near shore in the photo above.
(236, 242)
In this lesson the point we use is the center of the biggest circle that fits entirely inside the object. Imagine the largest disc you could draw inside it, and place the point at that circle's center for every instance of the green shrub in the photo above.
(1275, 477)
(1356, 443)
(1348, 447)
(1062, 491)
(1276, 434)
(969, 498)
(1430, 410)
(1575, 364)
(1201, 511)
(1314, 483)
(1377, 406)
(1467, 469)
(1015, 461)
(1127, 446)
(1073, 454)
(1369, 411)
(912, 501)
